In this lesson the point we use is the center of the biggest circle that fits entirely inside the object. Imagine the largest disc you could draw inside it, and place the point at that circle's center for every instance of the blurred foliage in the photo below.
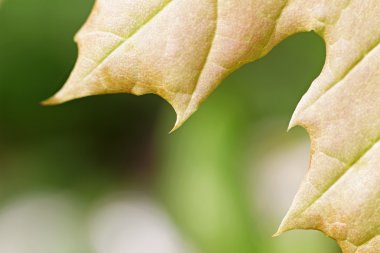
(99, 145)
(60, 147)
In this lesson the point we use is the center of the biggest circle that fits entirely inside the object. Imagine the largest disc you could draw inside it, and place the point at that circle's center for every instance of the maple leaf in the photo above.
(181, 50)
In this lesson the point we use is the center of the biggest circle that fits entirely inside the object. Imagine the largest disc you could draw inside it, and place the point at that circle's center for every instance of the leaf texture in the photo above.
(182, 49)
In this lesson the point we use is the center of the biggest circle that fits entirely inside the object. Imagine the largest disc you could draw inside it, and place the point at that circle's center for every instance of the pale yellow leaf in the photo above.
(182, 49)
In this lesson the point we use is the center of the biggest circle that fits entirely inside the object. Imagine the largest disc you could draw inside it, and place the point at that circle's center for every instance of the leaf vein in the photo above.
(125, 39)
(206, 58)
(340, 176)
(345, 75)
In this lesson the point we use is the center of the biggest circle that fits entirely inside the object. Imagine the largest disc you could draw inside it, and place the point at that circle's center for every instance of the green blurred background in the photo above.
(101, 174)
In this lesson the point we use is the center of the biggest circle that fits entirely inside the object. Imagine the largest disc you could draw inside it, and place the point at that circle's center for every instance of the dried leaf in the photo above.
(181, 50)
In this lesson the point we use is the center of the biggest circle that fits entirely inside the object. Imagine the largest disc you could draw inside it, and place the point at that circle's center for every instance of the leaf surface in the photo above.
(182, 49)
